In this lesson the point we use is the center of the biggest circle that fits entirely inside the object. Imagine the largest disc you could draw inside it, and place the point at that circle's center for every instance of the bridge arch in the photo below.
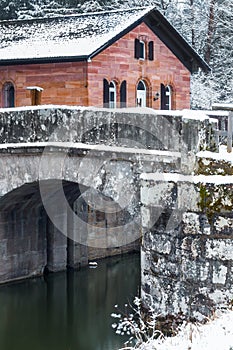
(31, 242)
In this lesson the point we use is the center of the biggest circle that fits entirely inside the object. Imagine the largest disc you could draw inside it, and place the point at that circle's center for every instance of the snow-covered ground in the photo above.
(217, 334)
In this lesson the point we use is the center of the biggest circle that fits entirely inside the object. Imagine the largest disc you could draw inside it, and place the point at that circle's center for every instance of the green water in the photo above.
(68, 311)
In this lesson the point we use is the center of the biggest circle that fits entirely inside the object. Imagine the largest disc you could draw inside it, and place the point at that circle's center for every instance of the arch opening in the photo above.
(166, 97)
(8, 95)
(141, 94)
(112, 94)
(34, 245)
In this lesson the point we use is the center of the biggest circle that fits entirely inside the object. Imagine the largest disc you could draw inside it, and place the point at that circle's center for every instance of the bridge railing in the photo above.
(227, 130)
(184, 131)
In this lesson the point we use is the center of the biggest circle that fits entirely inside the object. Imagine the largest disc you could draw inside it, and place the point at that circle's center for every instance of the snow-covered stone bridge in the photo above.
(82, 183)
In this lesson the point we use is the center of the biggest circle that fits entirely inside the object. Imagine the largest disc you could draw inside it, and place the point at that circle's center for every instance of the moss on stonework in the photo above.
(208, 166)
(215, 200)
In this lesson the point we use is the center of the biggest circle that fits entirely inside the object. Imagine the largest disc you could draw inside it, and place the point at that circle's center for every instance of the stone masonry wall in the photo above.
(122, 144)
(187, 250)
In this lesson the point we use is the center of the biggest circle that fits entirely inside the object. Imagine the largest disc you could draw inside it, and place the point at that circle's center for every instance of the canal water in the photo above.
(70, 310)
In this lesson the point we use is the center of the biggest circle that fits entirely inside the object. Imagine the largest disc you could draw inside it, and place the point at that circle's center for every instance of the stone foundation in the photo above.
(187, 250)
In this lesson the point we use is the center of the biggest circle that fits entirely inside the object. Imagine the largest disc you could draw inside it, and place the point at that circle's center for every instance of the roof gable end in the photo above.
(175, 42)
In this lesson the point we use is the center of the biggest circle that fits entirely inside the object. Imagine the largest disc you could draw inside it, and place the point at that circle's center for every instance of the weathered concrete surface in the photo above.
(87, 138)
(23, 245)
(98, 153)
(78, 163)
(132, 127)
(187, 250)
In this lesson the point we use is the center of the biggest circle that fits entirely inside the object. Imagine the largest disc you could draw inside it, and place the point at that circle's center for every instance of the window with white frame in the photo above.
(141, 94)
(139, 49)
(112, 95)
(166, 97)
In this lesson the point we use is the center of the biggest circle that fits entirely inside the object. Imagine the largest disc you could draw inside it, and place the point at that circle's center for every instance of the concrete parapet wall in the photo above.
(131, 127)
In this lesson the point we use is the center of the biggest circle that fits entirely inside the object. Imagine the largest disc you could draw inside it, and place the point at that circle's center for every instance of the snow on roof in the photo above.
(68, 36)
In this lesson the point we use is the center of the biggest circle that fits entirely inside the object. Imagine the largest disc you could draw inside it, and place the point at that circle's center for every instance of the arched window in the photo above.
(166, 97)
(8, 95)
(123, 93)
(112, 95)
(141, 94)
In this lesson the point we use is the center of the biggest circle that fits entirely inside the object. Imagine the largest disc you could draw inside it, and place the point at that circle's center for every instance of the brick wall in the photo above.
(63, 83)
(165, 68)
(72, 83)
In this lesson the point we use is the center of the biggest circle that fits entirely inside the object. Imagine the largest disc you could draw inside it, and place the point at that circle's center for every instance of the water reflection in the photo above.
(68, 311)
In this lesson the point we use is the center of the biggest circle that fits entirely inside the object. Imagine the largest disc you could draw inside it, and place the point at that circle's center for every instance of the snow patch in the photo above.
(176, 177)
(221, 155)
(214, 335)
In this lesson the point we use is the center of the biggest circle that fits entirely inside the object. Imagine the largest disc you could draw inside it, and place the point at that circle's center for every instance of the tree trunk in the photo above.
(210, 32)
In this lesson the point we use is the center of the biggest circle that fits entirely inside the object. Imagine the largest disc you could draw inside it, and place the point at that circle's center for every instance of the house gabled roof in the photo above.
(81, 37)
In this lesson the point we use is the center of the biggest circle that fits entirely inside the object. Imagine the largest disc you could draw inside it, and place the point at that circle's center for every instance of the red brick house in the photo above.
(121, 58)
